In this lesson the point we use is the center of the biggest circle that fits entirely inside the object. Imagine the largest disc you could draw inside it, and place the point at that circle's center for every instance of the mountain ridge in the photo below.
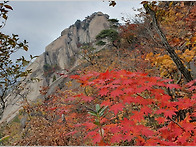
(60, 55)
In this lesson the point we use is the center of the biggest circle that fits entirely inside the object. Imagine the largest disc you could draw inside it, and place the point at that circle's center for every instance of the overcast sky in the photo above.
(41, 22)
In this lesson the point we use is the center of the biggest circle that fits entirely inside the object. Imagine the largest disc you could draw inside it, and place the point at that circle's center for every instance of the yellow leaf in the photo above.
(188, 43)
(193, 39)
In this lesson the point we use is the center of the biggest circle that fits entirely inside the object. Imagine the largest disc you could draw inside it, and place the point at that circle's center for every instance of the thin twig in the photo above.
(177, 124)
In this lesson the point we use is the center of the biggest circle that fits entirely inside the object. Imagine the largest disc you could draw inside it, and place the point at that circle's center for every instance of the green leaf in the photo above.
(104, 115)
(4, 138)
(100, 43)
(97, 107)
(96, 123)
(102, 110)
(92, 113)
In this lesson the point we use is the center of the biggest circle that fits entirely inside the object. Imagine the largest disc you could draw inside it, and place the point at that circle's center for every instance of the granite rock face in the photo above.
(62, 55)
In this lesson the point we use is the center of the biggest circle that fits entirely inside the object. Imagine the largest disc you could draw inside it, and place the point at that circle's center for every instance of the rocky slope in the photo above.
(62, 55)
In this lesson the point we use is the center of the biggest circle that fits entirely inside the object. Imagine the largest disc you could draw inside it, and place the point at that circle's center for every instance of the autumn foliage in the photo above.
(137, 96)
(139, 110)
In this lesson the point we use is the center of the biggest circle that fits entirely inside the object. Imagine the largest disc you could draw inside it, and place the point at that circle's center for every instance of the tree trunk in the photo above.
(186, 73)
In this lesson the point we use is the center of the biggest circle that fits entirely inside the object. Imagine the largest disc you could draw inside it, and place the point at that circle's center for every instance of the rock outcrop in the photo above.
(62, 55)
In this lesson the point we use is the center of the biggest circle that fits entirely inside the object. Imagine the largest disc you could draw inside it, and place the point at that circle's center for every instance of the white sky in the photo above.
(41, 22)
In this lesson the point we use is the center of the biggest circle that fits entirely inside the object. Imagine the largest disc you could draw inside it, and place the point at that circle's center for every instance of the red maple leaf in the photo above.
(115, 129)
(109, 127)
(146, 110)
(140, 89)
(75, 76)
(173, 86)
(117, 107)
(194, 96)
(96, 138)
(145, 102)
(89, 125)
(117, 81)
(152, 141)
(166, 97)
(113, 86)
(53, 108)
(91, 83)
(167, 80)
(106, 103)
(128, 82)
(103, 120)
(140, 141)
(92, 133)
(147, 132)
(127, 125)
(103, 91)
(185, 103)
(182, 139)
(129, 99)
(128, 137)
(116, 92)
(127, 122)
(116, 138)
(177, 131)
(106, 75)
(129, 90)
(99, 81)
(160, 83)
(78, 125)
(192, 88)
(137, 116)
(188, 126)
(125, 85)
(167, 143)
(71, 133)
(167, 113)
(131, 74)
(191, 83)
(102, 143)
(161, 120)
(86, 98)
(164, 132)
(70, 99)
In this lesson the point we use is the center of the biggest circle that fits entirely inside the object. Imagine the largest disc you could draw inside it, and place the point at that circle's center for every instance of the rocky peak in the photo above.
(61, 55)
(64, 50)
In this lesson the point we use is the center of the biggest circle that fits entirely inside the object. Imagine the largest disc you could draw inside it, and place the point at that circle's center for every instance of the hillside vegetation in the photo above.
(139, 90)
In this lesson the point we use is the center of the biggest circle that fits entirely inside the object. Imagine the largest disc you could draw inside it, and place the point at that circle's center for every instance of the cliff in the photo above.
(62, 55)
